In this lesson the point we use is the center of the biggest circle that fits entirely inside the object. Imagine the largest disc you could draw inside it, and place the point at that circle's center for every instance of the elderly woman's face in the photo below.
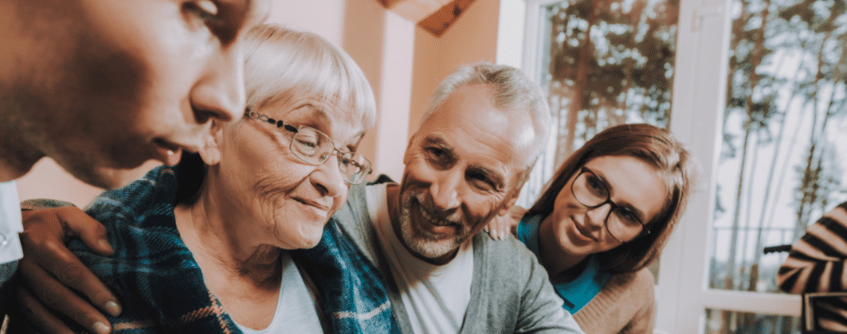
(283, 200)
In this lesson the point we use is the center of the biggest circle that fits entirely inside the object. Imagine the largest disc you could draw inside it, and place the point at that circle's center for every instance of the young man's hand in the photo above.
(54, 279)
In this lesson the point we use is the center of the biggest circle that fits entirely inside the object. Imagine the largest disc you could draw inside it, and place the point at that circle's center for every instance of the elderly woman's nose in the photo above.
(328, 179)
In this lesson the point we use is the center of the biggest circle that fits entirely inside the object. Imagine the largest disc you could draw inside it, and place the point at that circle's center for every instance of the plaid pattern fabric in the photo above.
(161, 288)
(356, 300)
(152, 272)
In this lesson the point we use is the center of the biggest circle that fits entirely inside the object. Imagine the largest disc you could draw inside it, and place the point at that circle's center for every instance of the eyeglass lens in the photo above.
(592, 192)
(315, 147)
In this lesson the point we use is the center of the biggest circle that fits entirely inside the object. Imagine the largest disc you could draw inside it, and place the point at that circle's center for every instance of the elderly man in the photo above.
(103, 86)
(466, 163)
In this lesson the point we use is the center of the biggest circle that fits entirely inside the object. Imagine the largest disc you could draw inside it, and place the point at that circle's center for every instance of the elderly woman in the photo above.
(603, 218)
(202, 247)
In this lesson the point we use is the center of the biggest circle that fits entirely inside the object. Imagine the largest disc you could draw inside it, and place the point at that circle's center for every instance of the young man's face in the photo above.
(102, 86)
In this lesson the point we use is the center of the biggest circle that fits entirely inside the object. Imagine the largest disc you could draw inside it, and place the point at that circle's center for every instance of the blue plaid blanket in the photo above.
(356, 300)
(160, 285)
(152, 272)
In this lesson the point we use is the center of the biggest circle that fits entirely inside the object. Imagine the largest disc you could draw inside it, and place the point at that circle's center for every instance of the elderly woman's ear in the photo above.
(211, 152)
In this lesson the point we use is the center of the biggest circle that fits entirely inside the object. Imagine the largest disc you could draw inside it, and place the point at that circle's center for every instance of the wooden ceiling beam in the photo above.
(434, 16)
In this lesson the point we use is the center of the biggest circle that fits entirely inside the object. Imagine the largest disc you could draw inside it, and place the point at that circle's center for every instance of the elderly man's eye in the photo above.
(437, 154)
(481, 181)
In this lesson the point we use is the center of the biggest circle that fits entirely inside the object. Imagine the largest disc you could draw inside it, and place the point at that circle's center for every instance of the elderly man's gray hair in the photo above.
(514, 91)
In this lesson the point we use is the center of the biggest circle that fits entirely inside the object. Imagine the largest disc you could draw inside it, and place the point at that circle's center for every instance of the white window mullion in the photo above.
(699, 98)
(753, 302)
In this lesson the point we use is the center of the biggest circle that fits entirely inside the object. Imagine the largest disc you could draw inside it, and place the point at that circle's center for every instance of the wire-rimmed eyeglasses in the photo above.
(314, 147)
(592, 191)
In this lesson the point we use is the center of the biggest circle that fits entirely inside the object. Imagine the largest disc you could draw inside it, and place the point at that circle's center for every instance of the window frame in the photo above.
(682, 294)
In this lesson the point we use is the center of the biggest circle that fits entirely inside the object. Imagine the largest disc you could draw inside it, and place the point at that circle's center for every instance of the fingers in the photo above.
(51, 270)
(48, 259)
(91, 232)
(502, 225)
(44, 321)
(501, 231)
(69, 221)
(496, 229)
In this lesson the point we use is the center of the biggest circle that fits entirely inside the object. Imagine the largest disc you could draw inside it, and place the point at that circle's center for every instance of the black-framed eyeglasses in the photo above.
(593, 192)
(314, 147)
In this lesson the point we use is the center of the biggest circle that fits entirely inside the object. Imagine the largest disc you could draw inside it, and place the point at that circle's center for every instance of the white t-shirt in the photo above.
(435, 297)
(295, 310)
(10, 223)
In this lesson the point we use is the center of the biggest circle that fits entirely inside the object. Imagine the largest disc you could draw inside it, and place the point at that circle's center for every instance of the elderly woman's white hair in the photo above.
(282, 62)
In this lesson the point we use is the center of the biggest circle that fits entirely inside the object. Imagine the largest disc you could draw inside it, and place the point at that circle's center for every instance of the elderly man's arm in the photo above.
(541, 308)
(817, 260)
(49, 271)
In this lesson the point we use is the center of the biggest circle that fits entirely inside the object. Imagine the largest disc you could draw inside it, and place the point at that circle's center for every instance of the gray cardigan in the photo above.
(510, 292)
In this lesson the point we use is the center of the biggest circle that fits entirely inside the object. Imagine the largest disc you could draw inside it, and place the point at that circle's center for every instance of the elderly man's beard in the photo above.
(421, 241)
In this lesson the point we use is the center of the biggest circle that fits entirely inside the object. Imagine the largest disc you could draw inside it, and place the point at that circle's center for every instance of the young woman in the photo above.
(603, 218)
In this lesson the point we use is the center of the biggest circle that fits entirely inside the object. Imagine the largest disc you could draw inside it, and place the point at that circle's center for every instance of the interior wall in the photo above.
(472, 38)
(48, 180)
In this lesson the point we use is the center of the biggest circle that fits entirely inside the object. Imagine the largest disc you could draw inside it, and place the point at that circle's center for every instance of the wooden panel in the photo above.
(417, 10)
(434, 16)
(438, 22)
(390, 3)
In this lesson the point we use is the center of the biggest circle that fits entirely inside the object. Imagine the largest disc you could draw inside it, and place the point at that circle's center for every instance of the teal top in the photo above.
(576, 293)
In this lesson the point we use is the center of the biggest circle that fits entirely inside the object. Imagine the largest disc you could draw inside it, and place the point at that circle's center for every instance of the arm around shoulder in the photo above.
(541, 308)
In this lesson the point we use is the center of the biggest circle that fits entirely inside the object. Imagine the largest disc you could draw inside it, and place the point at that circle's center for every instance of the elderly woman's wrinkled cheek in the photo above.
(290, 209)
(293, 230)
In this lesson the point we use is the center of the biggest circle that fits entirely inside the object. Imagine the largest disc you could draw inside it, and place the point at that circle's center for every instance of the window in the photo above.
(758, 92)
(779, 164)
(604, 63)
(728, 322)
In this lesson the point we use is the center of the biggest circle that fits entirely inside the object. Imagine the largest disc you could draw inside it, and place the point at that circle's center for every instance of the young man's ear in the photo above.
(211, 152)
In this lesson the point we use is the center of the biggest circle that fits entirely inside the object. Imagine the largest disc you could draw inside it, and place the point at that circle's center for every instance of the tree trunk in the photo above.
(809, 178)
(634, 20)
(765, 224)
(737, 35)
(586, 50)
(748, 127)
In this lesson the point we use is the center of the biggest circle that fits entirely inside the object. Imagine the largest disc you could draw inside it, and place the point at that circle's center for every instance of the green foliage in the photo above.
(611, 62)
(786, 61)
